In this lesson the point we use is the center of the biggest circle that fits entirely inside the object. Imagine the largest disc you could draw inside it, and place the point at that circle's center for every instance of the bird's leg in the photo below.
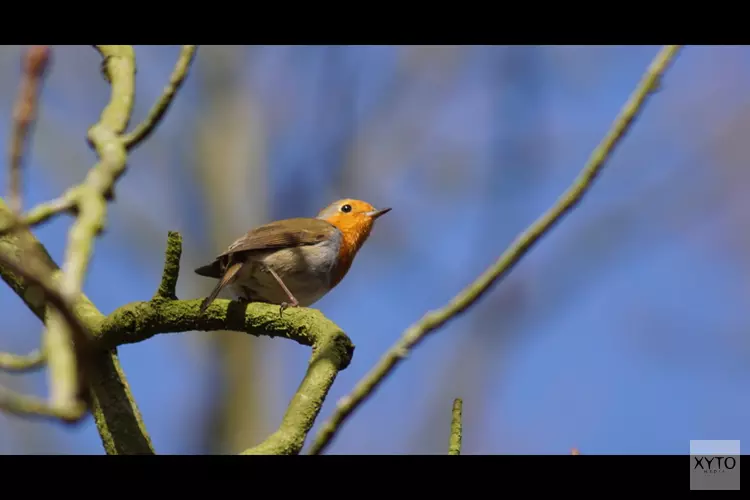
(245, 297)
(293, 301)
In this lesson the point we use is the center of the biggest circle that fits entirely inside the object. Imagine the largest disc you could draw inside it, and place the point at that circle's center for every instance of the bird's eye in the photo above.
(346, 208)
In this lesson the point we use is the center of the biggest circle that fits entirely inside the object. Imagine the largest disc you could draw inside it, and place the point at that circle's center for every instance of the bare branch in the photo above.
(433, 320)
(51, 295)
(456, 428)
(21, 362)
(42, 212)
(81, 340)
(180, 72)
(34, 63)
(20, 404)
(116, 414)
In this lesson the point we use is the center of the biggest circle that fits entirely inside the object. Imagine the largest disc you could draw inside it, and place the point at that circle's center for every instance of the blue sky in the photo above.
(622, 331)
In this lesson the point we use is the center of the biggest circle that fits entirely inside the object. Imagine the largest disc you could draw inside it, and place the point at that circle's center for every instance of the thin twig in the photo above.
(471, 294)
(180, 72)
(21, 362)
(456, 428)
(34, 63)
(21, 404)
(42, 213)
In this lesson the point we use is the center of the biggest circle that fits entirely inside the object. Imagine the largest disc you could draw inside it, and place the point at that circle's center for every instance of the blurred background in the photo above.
(624, 331)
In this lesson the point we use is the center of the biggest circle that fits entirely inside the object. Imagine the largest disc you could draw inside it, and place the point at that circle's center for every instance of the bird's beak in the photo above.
(377, 213)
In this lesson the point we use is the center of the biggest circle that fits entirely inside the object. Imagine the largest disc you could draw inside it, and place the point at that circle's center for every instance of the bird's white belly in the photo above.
(306, 271)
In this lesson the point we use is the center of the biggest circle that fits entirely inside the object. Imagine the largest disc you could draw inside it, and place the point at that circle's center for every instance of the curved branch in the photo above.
(22, 404)
(42, 212)
(117, 417)
(92, 210)
(471, 294)
(21, 362)
(332, 350)
(116, 414)
(81, 341)
(180, 72)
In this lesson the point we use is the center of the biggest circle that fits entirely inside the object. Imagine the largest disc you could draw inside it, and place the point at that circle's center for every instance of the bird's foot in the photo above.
(285, 305)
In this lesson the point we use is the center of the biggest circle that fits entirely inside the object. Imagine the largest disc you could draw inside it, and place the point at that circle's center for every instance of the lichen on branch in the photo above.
(434, 320)
(332, 350)
(116, 414)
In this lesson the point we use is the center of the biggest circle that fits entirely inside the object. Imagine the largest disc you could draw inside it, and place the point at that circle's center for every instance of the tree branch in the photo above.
(21, 362)
(42, 212)
(332, 349)
(432, 321)
(23, 404)
(34, 64)
(92, 210)
(117, 417)
(456, 429)
(180, 72)
(168, 286)
(116, 414)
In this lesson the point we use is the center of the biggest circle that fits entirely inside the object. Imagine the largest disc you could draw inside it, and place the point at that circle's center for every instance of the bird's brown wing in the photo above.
(274, 235)
(283, 234)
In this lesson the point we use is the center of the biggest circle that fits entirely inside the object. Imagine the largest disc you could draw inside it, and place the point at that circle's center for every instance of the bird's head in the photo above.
(354, 218)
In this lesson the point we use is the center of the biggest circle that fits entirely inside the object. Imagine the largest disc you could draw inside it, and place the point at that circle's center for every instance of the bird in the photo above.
(293, 262)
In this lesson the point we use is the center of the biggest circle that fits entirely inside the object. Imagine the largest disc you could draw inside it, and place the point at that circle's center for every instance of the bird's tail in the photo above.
(225, 280)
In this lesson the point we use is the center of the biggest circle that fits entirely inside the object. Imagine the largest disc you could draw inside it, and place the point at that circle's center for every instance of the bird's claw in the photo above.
(285, 305)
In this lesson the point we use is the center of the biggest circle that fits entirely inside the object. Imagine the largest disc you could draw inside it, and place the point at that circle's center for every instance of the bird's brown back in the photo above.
(274, 235)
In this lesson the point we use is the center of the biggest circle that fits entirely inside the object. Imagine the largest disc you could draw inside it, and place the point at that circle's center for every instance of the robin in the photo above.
(293, 262)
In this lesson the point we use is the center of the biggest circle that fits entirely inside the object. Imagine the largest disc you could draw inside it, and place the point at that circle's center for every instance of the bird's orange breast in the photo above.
(354, 233)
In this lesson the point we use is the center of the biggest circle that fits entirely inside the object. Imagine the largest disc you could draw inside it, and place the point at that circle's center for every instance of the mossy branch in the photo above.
(168, 286)
(454, 448)
(16, 403)
(433, 320)
(116, 415)
(42, 212)
(180, 72)
(332, 350)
